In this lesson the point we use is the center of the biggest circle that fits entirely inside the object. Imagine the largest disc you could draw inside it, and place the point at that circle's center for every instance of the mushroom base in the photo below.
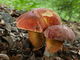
(52, 46)
(36, 39)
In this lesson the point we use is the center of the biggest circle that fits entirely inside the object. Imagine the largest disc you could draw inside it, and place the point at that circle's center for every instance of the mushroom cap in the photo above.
(2, 22)
(60, 33)
(4, 57)
(38, 20)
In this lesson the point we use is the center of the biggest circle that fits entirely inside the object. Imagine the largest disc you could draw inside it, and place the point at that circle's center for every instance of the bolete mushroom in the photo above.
(55, 37)
(35, 22)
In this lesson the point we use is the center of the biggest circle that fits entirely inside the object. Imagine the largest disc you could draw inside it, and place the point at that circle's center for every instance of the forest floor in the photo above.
(14, 42)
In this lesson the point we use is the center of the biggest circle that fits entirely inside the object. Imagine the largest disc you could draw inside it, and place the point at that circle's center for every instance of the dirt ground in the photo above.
(14, 42)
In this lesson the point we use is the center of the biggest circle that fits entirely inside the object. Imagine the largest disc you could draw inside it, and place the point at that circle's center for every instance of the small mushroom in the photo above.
(36, 21)
(4, 57)
(55, 37)
(2, 22)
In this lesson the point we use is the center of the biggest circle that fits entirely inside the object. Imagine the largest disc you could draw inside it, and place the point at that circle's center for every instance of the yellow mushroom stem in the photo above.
(52, 46)
(36, 39)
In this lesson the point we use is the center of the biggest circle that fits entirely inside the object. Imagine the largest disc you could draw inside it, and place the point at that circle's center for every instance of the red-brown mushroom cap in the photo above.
(38, 20)
(60, 33)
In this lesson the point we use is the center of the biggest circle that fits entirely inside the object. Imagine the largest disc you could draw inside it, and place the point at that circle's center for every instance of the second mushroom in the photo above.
(55, 37)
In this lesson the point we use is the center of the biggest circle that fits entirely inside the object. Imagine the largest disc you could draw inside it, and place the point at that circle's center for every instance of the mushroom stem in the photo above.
(4, 57)
(37, 39)
(52, 46)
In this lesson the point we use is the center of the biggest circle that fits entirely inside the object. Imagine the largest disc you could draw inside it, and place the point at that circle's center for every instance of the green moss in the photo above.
(67, 9)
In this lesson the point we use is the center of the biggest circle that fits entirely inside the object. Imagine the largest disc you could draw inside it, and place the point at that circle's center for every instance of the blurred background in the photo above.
(67, 9)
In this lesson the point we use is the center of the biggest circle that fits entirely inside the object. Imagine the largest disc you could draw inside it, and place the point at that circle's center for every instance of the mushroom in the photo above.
(35, 22)
(55, 37)
(4, 57)
(2, 23)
